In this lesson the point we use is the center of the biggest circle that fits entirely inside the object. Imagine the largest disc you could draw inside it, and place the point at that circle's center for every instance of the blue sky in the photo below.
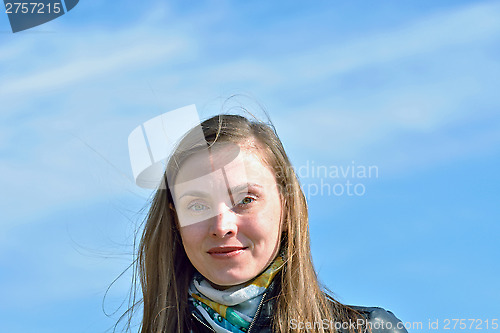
(408, 87)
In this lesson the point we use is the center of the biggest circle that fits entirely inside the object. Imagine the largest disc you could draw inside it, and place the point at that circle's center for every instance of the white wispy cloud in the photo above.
(91, 79)
(456, 72)
(63, 95)
(469, 24)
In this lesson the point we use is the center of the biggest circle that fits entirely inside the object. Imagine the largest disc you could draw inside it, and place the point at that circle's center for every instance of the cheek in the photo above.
(266, 227)
(274, 213)
(191, 238)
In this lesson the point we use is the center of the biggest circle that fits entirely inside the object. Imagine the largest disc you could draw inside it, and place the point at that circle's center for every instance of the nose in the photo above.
(224, 224)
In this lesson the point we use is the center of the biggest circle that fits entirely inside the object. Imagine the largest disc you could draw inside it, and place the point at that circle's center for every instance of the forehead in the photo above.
(240, 163)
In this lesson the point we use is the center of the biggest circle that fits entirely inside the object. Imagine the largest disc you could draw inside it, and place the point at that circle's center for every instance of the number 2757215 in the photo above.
(32, 8)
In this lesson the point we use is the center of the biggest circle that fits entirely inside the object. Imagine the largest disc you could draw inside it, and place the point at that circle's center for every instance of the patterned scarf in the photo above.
(231, 310)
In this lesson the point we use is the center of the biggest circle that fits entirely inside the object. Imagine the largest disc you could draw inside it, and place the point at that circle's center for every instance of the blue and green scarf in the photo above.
(231, 310)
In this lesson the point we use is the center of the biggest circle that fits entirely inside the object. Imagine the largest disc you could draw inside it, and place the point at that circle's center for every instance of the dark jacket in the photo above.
(380, 320)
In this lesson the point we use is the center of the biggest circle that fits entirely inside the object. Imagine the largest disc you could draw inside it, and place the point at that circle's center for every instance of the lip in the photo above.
(223, 252)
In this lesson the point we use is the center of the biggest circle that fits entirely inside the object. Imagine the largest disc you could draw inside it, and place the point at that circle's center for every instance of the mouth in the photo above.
(226, 251)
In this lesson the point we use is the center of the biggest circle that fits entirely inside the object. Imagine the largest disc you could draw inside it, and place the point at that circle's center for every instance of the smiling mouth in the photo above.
(226, 251)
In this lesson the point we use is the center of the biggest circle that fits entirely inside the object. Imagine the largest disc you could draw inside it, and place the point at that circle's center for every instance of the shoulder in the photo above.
(380, 320)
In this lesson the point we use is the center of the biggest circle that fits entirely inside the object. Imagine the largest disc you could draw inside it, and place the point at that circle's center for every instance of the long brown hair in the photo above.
(165, 271)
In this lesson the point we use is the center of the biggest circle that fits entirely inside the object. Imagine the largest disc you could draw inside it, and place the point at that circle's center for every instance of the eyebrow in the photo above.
(241, 187)
(195, 194)
(237, 188)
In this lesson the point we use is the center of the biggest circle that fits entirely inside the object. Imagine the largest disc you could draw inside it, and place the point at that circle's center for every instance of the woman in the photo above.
(226, 242)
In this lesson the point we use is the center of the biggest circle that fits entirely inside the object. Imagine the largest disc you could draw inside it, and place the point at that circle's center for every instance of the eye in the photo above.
(246, 204)
(197, 207)
(247, 200)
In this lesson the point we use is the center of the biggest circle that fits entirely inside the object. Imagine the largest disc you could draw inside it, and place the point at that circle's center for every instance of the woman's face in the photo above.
(229, 212)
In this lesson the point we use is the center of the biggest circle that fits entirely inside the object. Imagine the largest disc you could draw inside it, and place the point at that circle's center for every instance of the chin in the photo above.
(229, 281)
